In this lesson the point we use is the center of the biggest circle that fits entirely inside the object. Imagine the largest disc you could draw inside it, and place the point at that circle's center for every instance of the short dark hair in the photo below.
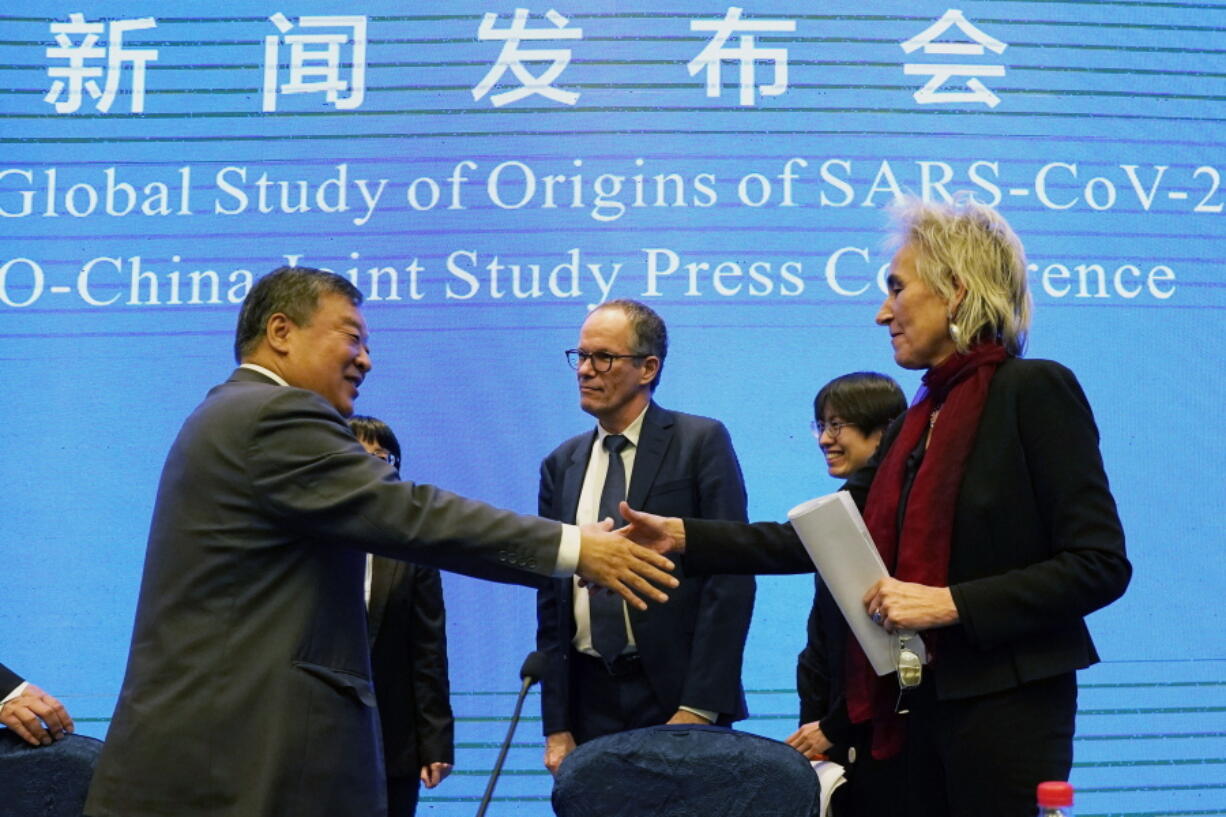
(866, 399)
(649, 335)
(373, 430)
(292, 291)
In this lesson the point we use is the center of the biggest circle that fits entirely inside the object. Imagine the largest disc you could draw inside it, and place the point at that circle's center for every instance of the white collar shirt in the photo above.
(586, 513)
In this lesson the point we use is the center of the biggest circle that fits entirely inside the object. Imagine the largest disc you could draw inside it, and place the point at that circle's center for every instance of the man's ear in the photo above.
(277, 332)
(651, 367)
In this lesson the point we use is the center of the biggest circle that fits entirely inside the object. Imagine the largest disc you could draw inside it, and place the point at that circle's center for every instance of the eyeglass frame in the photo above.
(819, 427)
(575, 358)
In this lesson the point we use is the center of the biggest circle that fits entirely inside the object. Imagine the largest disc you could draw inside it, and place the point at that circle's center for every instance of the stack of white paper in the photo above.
(841, 548)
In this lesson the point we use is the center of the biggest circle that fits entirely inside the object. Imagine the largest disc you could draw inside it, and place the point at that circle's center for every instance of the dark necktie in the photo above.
(608, 618)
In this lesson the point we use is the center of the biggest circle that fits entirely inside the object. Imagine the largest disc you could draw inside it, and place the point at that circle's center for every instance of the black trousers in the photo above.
(606, 700)
(970, 757)
(402, 796)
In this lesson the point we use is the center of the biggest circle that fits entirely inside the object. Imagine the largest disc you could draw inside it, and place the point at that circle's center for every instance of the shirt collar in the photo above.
(631, 432)
(273, 376)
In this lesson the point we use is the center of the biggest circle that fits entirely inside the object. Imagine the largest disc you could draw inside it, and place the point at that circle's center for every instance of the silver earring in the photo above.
(955, 331)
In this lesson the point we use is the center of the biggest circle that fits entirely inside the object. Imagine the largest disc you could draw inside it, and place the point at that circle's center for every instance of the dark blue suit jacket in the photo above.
(691, 647)
(9, 680)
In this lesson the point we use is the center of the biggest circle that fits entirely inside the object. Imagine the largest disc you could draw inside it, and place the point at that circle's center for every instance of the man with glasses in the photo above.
(612, 668)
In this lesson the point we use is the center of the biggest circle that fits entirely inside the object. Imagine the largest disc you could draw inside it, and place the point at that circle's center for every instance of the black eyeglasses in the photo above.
(601, 361)
(835, 427)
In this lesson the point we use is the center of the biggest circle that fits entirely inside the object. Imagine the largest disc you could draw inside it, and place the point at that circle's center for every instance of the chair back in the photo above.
(685, 771)
(45, 781)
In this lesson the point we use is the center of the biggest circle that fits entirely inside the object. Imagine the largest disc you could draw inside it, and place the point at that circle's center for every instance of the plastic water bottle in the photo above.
(1055, 799)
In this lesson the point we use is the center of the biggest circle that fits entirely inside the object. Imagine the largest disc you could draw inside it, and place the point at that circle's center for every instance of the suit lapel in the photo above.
(572, 485)
(572, 480)
(384, 575)
(654, 439)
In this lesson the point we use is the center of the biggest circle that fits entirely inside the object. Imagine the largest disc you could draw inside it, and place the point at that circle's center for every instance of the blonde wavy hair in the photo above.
(968, 244)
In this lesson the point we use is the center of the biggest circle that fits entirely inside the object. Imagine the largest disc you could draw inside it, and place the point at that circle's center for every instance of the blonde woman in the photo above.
(991, 509)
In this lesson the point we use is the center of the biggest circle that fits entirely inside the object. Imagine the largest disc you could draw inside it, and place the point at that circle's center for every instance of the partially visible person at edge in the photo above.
(851, 414)
(406, 623)
(35, 716)
(992, 512)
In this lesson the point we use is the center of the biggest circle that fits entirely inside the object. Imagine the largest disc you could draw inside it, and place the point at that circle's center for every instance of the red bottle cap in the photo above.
(1053, 794)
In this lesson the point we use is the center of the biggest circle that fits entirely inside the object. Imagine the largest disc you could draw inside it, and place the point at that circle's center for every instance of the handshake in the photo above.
(630, 560)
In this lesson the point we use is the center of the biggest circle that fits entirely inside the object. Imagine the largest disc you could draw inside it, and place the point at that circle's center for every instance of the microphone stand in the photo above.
(506, 744)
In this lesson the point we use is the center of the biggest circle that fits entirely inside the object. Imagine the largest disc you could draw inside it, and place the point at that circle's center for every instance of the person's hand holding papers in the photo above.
(910, 606)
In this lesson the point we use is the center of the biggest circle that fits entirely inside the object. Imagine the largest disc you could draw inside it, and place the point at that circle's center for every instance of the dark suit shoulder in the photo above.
(1039, 389)
(572, 443)
(264, 422)
(1019, 372)
(251, 390)
(689, 422)
(560, 457)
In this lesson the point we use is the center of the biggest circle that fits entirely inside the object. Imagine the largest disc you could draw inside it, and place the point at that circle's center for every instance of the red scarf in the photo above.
(920, 552)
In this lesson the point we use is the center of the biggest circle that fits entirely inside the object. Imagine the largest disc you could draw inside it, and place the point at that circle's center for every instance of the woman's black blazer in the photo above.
(1037, 542)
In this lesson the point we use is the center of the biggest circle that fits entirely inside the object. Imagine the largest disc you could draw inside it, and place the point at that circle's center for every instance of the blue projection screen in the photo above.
(486, 174)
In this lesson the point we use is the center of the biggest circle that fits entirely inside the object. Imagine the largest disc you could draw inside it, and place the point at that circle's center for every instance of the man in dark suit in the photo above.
(248, 692)
(36, 717)
(407, 622)
(613, 668)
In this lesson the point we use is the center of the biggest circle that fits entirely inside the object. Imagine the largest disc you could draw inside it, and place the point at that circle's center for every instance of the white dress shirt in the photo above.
(586, 513)
(16, 693)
